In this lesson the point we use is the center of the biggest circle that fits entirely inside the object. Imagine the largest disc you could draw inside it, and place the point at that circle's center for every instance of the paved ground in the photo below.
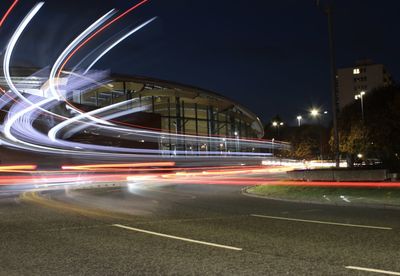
(72, 233)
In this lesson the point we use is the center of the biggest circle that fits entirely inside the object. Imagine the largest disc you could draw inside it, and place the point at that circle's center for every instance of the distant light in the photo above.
(325, 112)
(274, 123)
(299, 117)
(356, 71)
(362, 93)
(141, 141)
(281, 123)
(314, 112)
(359, 155)
(236, 133)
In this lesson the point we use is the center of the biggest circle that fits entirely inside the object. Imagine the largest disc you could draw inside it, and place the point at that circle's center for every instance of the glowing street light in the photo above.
(277, 125)
(314, 112)
(237, 141)
(299, 119)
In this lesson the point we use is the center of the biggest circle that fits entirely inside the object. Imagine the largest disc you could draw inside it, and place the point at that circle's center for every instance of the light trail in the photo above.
(118, 42)
(97, 32)
(241, 177)
(119, 165)
(69, 50)
(19, 130)
(53, 132)
(3, 19)
(10, 48)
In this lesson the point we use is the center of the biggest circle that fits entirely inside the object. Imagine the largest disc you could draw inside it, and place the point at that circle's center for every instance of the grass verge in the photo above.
(373, 196)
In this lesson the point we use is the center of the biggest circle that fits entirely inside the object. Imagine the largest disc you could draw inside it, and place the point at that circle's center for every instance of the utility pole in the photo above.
(335, 109)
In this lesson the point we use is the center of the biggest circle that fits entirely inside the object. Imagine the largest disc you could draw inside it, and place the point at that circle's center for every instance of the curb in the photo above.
(340, 204)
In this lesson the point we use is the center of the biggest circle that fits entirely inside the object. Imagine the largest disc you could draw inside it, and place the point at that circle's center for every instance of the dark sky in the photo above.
(271, 56)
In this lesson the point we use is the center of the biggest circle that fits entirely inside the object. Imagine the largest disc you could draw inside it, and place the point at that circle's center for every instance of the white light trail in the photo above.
(10, 47)
(117, 42)
(53, 132)
(70, 47)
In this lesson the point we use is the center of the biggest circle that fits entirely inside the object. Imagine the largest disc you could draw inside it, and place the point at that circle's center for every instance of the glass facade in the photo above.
(183, 110)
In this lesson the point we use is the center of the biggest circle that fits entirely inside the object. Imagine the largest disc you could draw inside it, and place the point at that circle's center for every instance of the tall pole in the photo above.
(335, 109)
(362, 107)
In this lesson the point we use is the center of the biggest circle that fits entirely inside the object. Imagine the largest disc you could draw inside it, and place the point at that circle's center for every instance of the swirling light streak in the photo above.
(118, 42)
(70, 48)
(11, 45)
(97, 32)
(18, 127)
(53, 132)
(27, 132)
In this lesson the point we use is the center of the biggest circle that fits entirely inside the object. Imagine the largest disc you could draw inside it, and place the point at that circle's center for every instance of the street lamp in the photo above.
(334, 94)
(360, 96)
(277, 125)
(299, 119)
(273, 147)
(237, 141)
(314, 112)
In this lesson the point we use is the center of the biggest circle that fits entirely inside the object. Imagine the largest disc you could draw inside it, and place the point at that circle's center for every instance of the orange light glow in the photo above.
(7, 168)
(126, 165)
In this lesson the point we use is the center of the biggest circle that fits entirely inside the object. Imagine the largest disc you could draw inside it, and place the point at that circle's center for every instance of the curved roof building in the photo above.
(181, 108)
(188, 117)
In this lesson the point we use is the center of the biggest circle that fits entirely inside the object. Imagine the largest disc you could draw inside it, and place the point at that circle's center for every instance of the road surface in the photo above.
(190, 229)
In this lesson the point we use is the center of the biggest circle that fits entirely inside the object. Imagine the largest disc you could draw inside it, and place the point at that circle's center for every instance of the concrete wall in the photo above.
(338, 175)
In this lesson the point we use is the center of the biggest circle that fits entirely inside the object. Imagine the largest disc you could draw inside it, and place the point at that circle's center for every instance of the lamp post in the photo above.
(273, 147)
(237, 141)
(299, 119)
(360, 97)
(277, 125)
(328, 10)
(316, 114)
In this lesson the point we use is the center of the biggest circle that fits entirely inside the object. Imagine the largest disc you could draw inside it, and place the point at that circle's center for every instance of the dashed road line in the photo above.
(373, 270)
(177, 238)
(323, 222)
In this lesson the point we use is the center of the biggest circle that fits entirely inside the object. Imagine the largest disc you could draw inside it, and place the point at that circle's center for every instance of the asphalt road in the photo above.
(190, 230)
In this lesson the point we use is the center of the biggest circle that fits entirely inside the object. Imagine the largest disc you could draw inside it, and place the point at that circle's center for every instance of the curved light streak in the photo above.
(117, 42)
(11, 45)
(52, 86)
(53, 132)
(20, 132)
(99, 31)
(3, 19)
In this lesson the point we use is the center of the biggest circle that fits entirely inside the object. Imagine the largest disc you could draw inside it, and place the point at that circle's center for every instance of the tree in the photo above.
(306, 141)
(378, 136)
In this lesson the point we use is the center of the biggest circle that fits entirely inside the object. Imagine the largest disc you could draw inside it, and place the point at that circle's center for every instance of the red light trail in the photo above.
(97, 32)
(8, 12)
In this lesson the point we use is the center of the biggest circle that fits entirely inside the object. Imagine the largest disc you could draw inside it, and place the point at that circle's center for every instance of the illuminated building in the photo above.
(159, 105)
(364, 76)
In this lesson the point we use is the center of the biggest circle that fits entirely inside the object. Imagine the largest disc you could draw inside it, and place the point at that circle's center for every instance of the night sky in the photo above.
(271, 56)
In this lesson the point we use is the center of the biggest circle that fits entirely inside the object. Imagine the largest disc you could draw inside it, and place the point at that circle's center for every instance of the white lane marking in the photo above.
(373, 270)
(176, 238)
(324, 222)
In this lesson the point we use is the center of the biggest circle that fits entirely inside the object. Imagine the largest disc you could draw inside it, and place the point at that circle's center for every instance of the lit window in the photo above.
(356, 71)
